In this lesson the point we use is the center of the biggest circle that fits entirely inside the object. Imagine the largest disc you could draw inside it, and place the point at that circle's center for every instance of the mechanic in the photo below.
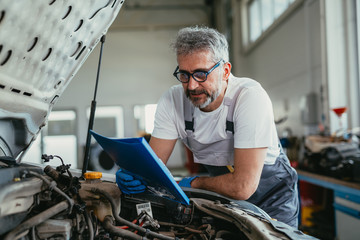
(228, 124)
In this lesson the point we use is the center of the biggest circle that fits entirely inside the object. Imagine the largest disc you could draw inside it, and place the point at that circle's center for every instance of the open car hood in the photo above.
(42, 46)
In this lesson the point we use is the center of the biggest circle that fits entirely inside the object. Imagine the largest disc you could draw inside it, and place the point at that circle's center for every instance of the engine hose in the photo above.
(120, 220)
(108, 224)
(90, 225)
(51, 172)
(222, 233)
(185, 227)
(55, 188)
(41, 217)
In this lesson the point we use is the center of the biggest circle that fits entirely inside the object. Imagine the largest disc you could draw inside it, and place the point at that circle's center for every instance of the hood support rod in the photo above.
(92, 113)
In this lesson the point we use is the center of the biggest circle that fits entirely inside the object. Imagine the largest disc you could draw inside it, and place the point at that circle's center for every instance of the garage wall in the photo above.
(136, 69)
(288, 65)
(138, 64)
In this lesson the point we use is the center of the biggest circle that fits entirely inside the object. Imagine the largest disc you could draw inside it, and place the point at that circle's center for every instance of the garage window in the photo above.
(145, 115)
(109, 121)
(58, 137)
(260, 16)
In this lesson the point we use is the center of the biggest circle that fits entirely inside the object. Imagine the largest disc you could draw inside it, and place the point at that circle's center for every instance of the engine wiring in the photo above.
(90, 225)
(30, 224)
(62, 168)
(94, 221)
(139, 219)
(52, 186)
(37, 219)
(120, 220)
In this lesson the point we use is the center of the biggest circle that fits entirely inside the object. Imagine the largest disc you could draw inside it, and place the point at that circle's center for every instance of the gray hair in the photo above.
(193, 39)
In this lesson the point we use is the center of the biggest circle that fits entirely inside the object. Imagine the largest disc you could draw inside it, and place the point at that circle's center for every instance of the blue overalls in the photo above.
(277, 191)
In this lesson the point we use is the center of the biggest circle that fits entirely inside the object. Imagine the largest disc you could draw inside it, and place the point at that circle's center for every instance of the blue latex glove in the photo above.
(186, 181)
(129, 183)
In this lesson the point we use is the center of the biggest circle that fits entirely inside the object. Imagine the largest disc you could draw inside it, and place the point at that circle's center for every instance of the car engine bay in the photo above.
(53, 203)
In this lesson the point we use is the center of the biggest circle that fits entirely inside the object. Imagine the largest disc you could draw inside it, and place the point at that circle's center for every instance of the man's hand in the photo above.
(129, 183)
(186, 182)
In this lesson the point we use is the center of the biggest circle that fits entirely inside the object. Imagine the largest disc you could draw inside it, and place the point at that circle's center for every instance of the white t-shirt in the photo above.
(253, 118)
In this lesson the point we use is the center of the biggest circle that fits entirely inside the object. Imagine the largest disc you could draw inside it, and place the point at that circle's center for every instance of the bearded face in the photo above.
(202, 97)
(207, 92)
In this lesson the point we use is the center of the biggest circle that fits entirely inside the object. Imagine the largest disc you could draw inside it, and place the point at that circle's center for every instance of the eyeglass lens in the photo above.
(199, 76)
(184, 76)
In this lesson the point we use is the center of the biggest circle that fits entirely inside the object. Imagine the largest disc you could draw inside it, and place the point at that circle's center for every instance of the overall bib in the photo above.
(277, 190)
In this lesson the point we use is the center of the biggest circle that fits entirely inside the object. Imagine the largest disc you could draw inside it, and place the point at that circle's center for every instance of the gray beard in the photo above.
(210, 97)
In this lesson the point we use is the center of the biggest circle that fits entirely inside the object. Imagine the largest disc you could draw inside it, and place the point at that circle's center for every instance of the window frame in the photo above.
(103, 112)
(140, 116)
(247, 44)
(39, 145)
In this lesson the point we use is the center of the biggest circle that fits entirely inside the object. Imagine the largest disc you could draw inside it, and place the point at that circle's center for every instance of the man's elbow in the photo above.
(243, 193)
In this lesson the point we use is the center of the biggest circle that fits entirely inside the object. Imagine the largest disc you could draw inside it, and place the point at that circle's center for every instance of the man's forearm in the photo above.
(228, 185)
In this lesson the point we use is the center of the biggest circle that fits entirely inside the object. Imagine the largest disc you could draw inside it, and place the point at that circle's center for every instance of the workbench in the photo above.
(346, 203)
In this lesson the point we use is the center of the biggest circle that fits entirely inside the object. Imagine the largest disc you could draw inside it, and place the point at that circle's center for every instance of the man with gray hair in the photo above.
(227, 123)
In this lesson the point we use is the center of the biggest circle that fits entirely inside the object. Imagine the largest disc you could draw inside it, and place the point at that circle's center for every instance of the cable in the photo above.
(108, 224)
(116, 211)
(54, 174)
(53, 186)
(90, 225)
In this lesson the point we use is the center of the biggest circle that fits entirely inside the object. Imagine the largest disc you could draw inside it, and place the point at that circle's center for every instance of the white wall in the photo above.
(138, 64)
(342, 63)
(288, 64)
(136, 68)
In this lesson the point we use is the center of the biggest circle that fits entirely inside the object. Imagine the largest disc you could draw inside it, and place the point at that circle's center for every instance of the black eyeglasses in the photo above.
(199, 76)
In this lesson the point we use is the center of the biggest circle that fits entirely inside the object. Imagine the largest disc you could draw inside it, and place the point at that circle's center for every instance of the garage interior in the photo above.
(305, 53)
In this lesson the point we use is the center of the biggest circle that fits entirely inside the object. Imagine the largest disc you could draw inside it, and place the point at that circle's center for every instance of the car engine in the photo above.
(56, 203)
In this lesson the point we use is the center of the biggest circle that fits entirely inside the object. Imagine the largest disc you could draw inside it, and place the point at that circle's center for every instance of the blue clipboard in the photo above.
(136, 156)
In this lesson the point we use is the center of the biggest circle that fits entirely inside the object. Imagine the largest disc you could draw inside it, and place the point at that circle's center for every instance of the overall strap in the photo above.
(188, 115)
(230, 102)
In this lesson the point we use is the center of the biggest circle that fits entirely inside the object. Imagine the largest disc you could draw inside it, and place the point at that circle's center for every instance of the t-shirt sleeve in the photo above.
(164, 124)
(254, 119)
